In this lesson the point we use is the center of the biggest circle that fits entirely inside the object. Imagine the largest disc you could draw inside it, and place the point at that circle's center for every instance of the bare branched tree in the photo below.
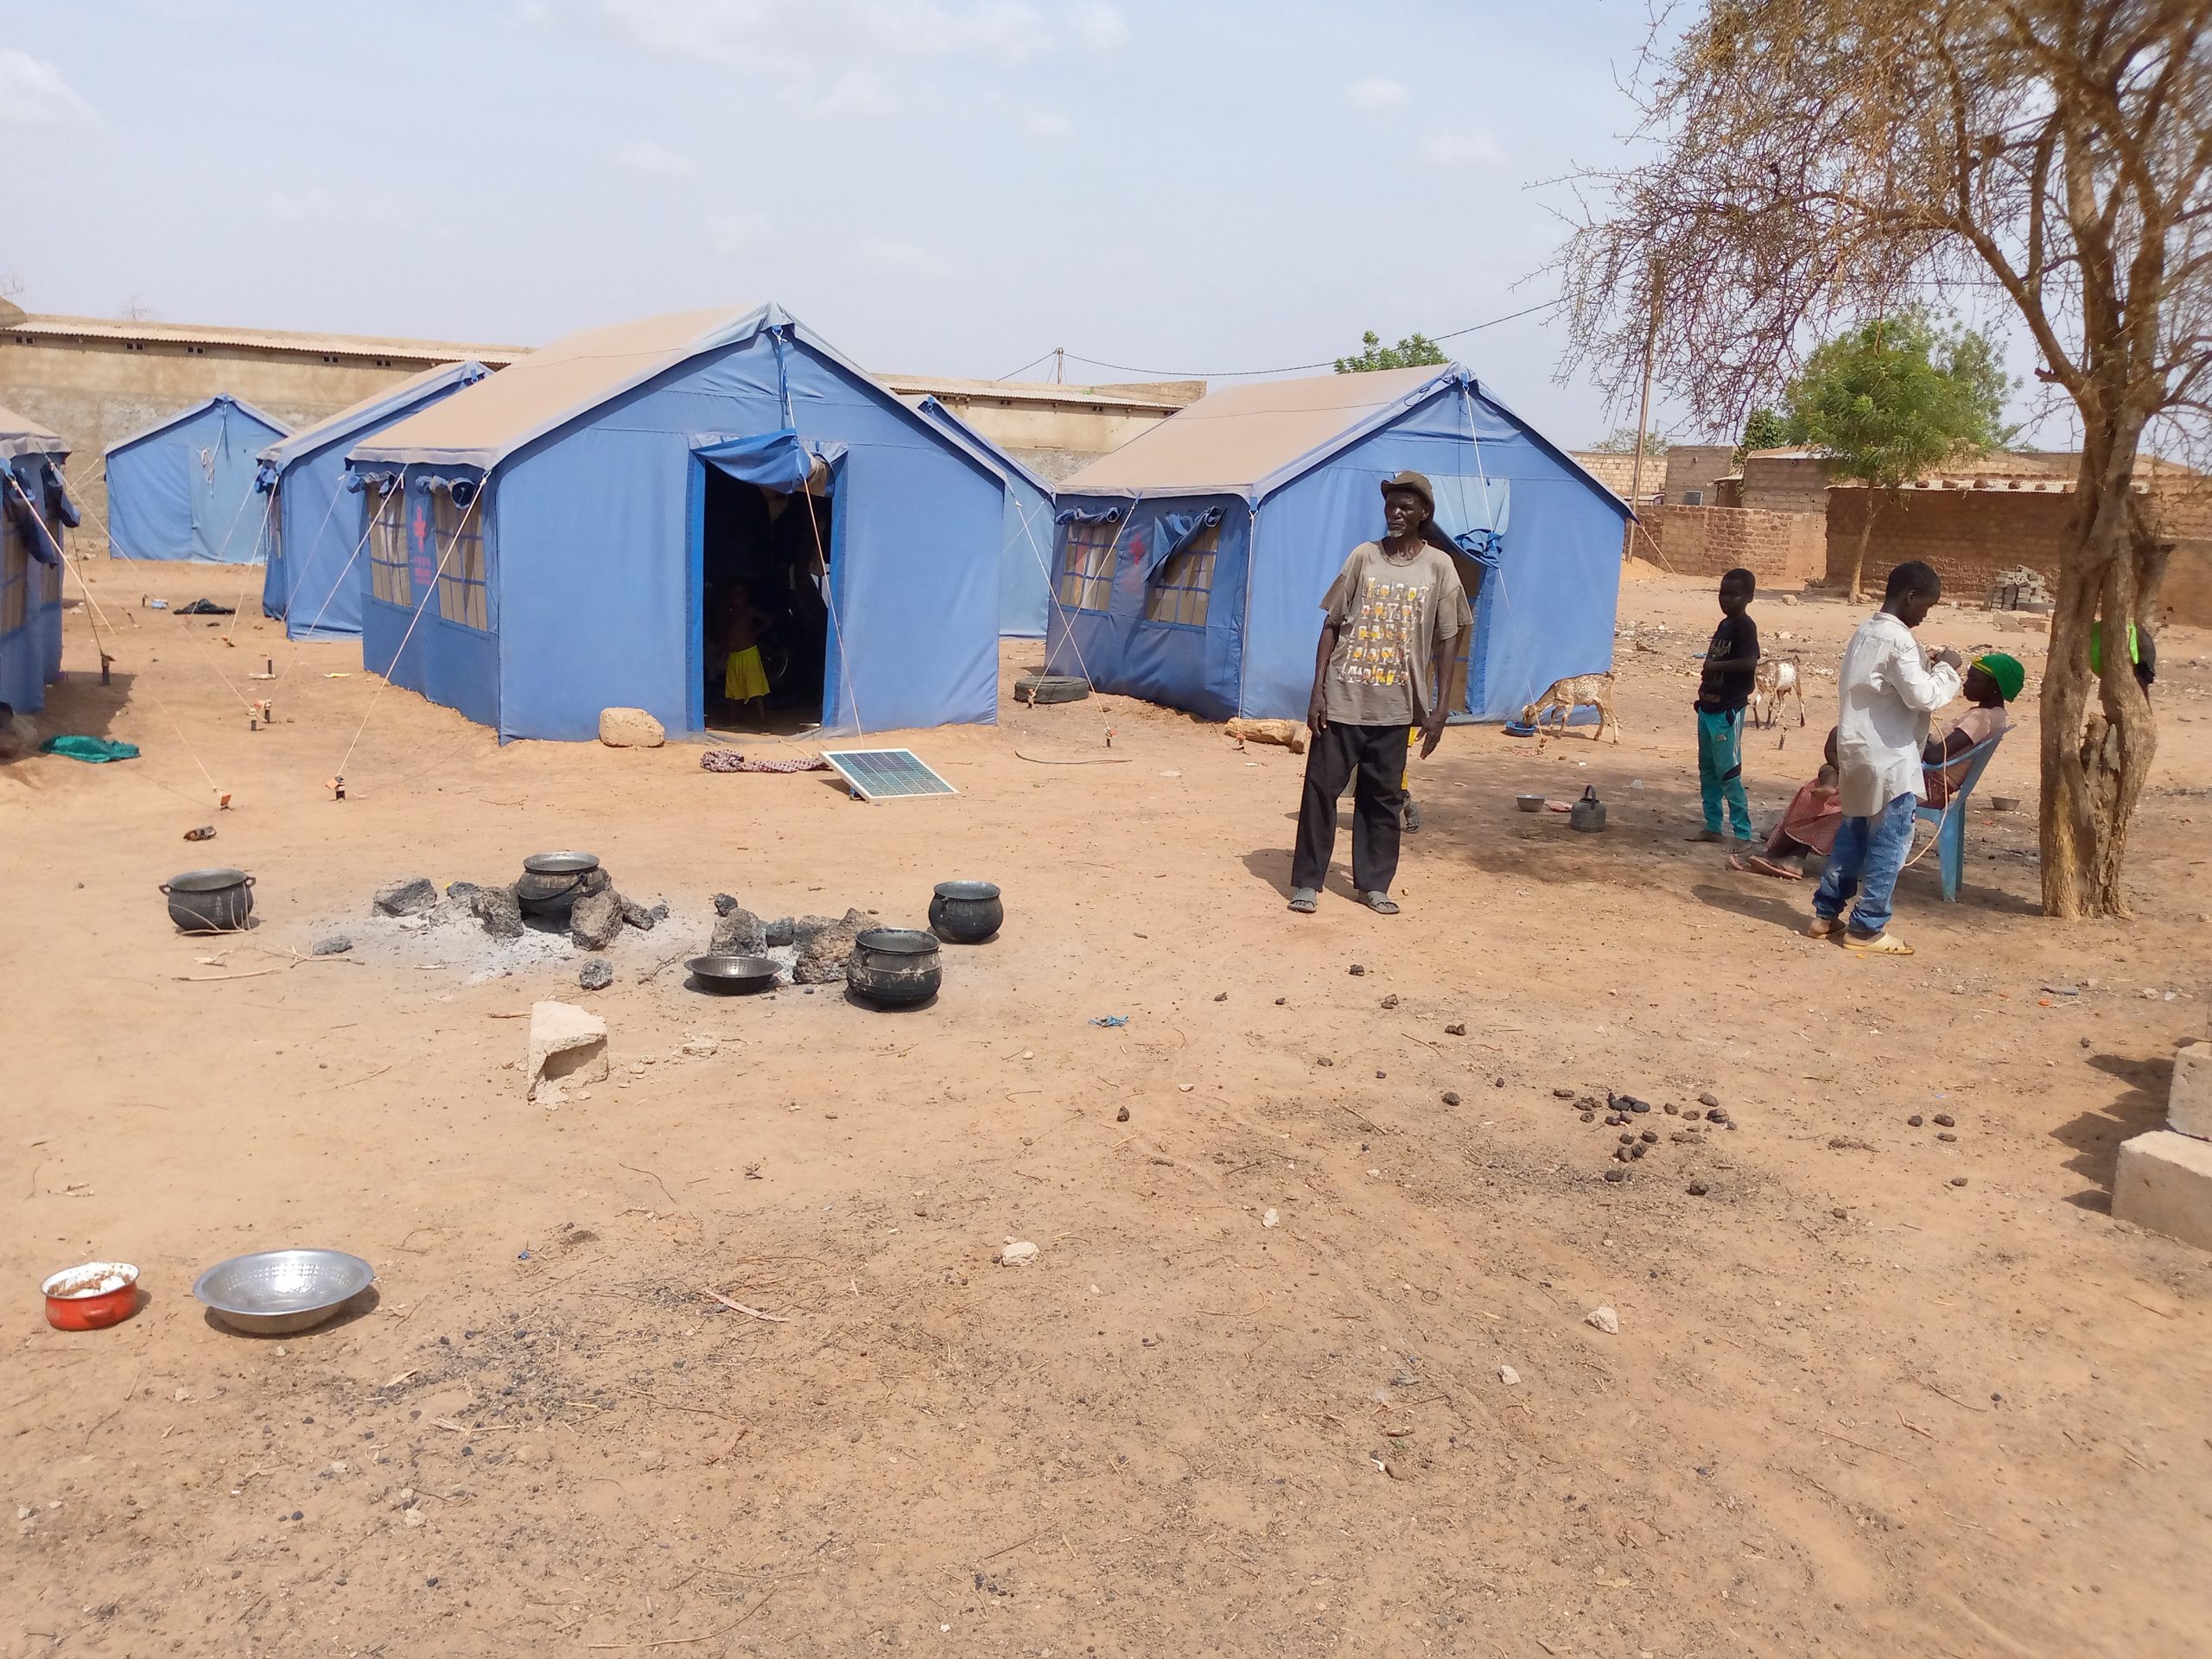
(1817, 163)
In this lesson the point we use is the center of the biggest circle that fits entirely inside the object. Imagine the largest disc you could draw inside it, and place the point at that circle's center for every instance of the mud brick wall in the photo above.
(1971, 535)
(1782, 548)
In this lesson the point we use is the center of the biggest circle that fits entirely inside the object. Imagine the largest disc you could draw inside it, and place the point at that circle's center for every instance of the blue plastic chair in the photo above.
(1950, 818)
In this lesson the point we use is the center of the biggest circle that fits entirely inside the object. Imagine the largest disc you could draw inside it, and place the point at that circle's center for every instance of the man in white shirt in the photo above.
(1886, 691)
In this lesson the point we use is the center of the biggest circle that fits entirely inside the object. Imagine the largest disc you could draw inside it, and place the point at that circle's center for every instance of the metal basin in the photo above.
(726, 975)
(209, 901)
(273, 1292)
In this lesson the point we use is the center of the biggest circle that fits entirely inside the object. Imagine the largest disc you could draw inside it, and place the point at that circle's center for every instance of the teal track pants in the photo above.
(1720, 771)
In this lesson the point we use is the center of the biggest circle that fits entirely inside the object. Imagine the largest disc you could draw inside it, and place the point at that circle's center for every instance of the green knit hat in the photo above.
(2008, 673)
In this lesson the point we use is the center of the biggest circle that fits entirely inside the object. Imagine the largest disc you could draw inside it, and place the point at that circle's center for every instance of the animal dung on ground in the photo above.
(1459, 1028)
(1357, 969)
(1122, 1115)
(1450, 1098)
(1944, 1120)
(1707, 1100)
(1391, 1000)
(1915, 1121)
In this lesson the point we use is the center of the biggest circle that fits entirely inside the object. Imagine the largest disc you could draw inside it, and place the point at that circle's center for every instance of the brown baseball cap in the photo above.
(1418, 483)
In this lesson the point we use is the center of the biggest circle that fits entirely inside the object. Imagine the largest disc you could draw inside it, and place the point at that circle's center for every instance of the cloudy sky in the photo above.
(951, 186)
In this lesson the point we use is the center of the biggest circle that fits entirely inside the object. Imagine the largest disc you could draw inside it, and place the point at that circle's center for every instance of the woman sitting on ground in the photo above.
(1992, 681)
(1809, 826)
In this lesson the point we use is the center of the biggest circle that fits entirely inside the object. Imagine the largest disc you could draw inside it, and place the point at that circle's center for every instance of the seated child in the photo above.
(1809, 826)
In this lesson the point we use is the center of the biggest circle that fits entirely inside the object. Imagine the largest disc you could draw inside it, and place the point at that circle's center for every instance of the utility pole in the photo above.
(1643, 407)
(1059, 365)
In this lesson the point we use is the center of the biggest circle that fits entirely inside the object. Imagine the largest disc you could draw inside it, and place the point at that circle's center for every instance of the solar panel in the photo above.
(886, 774)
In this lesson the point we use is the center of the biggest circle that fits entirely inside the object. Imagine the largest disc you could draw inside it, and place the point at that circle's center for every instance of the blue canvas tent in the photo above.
(1189, 564)
(566, 536)
(1025, 535)
(183, 489)
(314, 539)
(35, 511)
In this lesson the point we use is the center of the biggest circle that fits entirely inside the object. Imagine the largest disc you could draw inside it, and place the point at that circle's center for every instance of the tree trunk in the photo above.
(1866, 535)
(2097, 754)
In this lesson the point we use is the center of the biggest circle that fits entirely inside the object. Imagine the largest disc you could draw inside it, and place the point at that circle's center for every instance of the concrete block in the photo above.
(2165, 1183)
(630, 728)
(2189, 1103)
(567, 1045)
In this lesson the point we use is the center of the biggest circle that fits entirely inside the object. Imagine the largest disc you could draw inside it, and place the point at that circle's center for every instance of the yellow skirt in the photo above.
(744, 679)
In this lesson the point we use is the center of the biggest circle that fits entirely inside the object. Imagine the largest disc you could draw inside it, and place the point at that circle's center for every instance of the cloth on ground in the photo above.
(96, 750)
(205, 607)
(731, 761)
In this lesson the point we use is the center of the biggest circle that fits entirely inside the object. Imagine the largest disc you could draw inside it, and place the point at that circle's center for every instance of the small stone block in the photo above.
(2165, 1183)
(630, 728)
(2189, 1103)
(567, 1045)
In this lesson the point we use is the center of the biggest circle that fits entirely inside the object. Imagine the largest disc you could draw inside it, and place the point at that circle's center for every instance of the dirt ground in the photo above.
(1852, 1407)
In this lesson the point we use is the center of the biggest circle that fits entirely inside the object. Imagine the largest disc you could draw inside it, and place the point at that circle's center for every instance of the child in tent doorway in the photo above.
(1731, 664)
(745, 681)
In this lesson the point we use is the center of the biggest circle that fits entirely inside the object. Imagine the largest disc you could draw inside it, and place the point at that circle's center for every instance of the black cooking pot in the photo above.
(966, 912)
(894, 965)
(210, 901)
(552, 882)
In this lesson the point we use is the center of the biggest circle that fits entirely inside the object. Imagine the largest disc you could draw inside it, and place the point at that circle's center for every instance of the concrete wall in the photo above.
(1969, 535)
(1782, 550)
(98, 388)
(1697, 467)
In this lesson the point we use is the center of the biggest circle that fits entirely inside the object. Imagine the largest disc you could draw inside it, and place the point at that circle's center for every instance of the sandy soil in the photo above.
(1852, 1407)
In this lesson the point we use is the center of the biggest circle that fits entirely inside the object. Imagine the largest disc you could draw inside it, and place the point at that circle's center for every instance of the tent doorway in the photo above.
(764, 567)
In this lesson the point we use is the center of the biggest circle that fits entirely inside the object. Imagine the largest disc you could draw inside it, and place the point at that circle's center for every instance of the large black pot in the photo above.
(210, 901)
(966, 912)
(894, 965)
(552, 882)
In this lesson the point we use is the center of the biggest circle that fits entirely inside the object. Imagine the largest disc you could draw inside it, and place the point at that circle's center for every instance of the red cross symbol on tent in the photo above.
(422, 524)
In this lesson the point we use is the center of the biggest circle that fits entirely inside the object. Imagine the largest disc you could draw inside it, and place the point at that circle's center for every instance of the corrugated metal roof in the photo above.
(270, 340)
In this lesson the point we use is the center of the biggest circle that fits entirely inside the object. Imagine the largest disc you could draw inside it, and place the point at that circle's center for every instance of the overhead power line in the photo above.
(1288, 368)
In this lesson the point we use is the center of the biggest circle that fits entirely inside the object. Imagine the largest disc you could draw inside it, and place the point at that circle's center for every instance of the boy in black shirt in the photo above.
(1730, 662)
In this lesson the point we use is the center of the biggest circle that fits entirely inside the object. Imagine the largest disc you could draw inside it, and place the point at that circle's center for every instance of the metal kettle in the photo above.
(1589, 812)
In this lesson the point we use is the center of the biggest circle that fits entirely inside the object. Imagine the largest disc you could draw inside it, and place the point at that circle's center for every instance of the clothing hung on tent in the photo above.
(316, 534)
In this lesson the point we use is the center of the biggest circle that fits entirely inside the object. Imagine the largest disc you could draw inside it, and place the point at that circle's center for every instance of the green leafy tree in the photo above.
(1895, 399)
(1764, 429)
(1621, 440)
(1414, 352)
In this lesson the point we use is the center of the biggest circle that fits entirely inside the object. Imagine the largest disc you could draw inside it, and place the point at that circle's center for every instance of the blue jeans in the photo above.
(1869, 853)
(1720, 770)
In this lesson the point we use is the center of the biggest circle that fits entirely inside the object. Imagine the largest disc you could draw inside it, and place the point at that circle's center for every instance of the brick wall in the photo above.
(1615, 471)
(1780, 481)
(1971, 535)
(1696, 467)
(1781, 549)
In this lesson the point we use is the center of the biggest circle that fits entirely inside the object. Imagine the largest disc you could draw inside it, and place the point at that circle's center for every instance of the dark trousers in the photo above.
(1375, 755)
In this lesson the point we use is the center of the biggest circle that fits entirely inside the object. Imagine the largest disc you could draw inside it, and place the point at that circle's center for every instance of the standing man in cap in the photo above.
(1389, 623)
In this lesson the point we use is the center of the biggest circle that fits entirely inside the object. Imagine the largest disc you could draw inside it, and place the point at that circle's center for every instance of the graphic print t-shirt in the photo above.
(1391, 617)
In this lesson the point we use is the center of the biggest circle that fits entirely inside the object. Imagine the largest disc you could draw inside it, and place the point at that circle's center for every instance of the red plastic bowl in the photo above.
(89, 1298)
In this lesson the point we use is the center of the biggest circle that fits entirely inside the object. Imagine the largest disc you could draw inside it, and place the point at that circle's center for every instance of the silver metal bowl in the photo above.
(273, 1292)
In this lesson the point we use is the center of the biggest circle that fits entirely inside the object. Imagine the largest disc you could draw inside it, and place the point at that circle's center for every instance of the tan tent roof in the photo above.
(480, 426)
(22, 435)
(1234, 439)
(312, 437)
